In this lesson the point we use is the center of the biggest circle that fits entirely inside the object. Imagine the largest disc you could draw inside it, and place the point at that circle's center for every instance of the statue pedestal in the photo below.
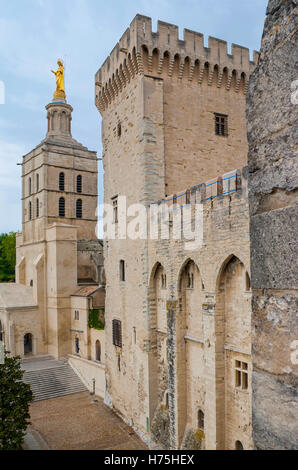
(59, 96)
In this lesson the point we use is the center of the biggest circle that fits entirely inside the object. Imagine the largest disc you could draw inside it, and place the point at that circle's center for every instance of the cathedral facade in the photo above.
(59, 259)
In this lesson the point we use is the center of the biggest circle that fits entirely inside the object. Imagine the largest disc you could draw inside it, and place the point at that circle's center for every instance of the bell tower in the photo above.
(59, 180)
(59, 201)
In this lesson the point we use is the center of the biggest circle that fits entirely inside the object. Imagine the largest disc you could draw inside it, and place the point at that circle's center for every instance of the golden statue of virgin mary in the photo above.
(60, 91)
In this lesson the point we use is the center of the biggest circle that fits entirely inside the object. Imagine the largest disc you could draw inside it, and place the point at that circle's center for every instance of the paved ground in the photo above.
(80, 422)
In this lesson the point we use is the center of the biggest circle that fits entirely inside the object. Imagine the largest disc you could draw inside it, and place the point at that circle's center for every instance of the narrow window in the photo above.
(30, 210)
(37, 207)
(77, 315)
(122, 270)
(30, 186)
(31, 283)
(221, 124)
(61, 181)
(119, 129)
(134, 335)
(117, 333)
(77, 345)
(61, 207)
(79, 209)
(115, 209)
(241, 375)
(247, 282)
(201, 420)
(167, 401)
(98, 351)
(79, 183)
(190, 280)
(119, 363)
(238, 445)
(1, 332)
(37, 182)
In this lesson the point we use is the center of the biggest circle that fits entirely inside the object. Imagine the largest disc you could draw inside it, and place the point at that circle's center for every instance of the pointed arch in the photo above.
(158, 356)
(232, 346)
(189, 350)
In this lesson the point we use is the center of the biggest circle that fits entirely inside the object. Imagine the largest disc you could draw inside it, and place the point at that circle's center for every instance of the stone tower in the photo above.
(59, 197)
(173, 116)
(272, 158)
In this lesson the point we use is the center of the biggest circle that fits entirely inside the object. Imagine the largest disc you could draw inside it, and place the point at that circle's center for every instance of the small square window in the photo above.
(221, 124)
(241, 375)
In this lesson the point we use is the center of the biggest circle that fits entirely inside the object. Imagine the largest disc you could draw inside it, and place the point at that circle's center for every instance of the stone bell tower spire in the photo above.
(59, 115)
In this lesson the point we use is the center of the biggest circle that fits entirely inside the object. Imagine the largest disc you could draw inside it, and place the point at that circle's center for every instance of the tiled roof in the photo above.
(85, 291)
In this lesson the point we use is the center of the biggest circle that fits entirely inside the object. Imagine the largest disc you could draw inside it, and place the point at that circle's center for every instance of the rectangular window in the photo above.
(115, 209)
(241, 375)
(77, 315)
(221, 124)
(117, 333)
(122, 270)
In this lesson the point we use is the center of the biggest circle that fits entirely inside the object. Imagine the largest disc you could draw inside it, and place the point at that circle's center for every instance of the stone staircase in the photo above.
(49, 378)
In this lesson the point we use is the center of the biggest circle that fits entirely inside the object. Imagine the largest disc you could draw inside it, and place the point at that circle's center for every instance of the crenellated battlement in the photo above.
(162, 53)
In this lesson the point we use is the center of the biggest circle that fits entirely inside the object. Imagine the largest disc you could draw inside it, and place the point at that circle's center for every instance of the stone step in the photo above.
(57, 380)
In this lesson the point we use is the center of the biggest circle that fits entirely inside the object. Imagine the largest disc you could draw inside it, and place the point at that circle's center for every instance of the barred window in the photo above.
(117, 333)
(241, 375)
(61, 181)
(79, 209)
(122, 270)
(37, 207)
(221, 124)
(79, 183)
(61, 207)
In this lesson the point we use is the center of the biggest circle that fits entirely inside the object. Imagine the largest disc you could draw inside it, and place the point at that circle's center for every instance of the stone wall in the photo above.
(272, 125)
(157, 96)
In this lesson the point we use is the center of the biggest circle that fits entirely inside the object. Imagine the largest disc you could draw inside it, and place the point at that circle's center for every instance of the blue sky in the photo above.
(34, 33)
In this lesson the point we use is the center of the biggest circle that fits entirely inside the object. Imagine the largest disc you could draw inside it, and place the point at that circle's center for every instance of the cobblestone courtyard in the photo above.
(80, 422)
